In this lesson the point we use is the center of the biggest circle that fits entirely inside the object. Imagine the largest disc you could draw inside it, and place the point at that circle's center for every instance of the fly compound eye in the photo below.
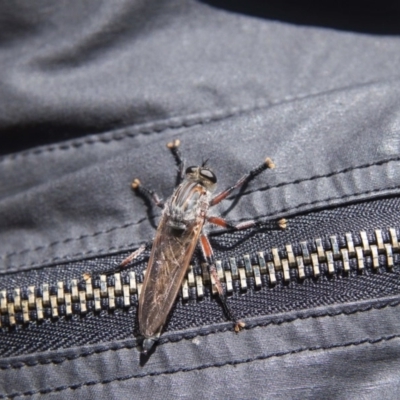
(191, 170)
(208, 174)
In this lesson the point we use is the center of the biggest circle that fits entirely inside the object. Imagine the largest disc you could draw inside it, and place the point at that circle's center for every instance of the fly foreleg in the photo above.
(268, 163)
(147, 193)
(209, 256)
(173, 146)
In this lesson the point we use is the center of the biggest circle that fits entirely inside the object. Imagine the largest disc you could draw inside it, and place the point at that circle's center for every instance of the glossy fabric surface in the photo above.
(109, 84)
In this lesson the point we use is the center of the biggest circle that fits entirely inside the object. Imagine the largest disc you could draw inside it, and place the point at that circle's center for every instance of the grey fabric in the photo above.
(124, 78)
(337, 354)
(258, 95)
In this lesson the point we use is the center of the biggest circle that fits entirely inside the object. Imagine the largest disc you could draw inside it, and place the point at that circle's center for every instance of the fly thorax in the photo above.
(186, 205)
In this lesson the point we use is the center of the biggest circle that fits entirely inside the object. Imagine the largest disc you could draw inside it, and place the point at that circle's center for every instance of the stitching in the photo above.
(154, 127)
(295, 182)
(130, 245)
(15, 253)
(70, 257)
(119, 346)
(206, 366)
(343, 171)
(346, 196)
(183, 122)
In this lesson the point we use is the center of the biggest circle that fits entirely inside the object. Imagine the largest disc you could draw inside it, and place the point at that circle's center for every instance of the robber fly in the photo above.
(181, 228)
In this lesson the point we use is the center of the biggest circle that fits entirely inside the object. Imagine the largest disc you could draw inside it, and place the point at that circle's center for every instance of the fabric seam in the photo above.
(299, 350)
(69, 257)
(117, 347)
(295, 182)
(187, 121)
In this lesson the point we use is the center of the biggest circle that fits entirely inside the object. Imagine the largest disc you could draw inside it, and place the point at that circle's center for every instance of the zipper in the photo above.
(336, 254)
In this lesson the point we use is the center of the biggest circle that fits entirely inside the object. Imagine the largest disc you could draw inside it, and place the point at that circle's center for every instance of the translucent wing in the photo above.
(170, 256)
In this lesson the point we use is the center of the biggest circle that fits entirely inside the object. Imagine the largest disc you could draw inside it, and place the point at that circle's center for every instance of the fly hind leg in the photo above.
(218, 221)
(122, 265)
(209, 256)
(126, 261)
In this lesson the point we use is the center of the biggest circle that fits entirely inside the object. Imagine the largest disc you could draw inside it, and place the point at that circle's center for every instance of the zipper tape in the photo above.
(300, 261)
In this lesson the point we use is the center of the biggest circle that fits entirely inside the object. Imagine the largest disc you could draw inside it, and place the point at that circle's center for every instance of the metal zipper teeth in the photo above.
(305, 260)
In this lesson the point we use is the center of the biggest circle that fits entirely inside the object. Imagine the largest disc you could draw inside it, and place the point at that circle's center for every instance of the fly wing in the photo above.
(170, 256)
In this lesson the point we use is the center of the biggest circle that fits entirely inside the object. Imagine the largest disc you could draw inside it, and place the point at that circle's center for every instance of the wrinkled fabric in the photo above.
(104, 86)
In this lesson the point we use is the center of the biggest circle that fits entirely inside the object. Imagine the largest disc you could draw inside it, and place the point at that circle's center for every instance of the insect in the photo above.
(184, 217)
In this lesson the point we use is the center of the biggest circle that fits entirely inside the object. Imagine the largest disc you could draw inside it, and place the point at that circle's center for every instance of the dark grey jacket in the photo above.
(90, 93)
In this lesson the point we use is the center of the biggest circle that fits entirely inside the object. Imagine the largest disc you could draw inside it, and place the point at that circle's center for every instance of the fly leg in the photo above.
(147, 193)
(208, 254)
(122, 265)
(173, 146)
(267, 164)
(126, 261)
(150, 194)
(150, 197)
(282, 223)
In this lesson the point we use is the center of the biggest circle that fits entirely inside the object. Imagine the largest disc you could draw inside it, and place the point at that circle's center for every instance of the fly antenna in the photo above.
(205, 162)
